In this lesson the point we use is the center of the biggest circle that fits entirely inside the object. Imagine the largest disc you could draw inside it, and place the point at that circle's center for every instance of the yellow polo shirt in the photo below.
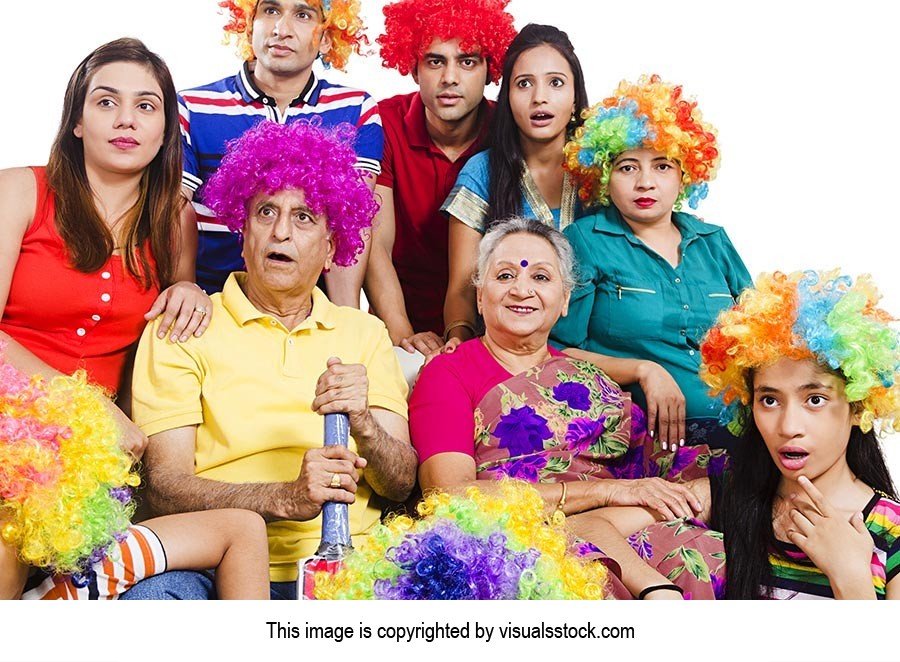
(248, 383)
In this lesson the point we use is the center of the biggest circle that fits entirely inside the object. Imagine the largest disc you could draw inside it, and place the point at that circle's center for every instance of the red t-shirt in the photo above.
(421, 177)
(443, 401)
(67, 318)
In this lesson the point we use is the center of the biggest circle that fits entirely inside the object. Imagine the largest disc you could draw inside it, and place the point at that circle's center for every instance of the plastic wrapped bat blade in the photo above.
(335, 544)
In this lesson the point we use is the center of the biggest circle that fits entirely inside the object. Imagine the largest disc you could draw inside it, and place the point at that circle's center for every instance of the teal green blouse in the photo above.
(633, 303)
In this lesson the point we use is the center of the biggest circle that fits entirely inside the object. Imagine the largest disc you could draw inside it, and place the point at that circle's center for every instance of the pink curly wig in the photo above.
(649, 114)
(302, 155)
(821, 316)
(482, 26)
(342, 24)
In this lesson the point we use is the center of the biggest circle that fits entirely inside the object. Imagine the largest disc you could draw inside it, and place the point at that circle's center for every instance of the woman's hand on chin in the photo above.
(186, 311)
(840, 548)
(665, 404)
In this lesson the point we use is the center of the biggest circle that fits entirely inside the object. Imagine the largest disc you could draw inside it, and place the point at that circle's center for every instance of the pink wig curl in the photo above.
(342, 23)
(482, 26)
(304, 156)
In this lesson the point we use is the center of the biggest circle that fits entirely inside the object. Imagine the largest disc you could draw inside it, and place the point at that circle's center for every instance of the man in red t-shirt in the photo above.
(429, 135)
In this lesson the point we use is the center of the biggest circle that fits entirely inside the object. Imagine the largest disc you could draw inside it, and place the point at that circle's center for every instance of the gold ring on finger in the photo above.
(335, 481)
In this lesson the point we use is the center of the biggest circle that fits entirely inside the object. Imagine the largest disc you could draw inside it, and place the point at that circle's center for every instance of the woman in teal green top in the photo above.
(653, 279)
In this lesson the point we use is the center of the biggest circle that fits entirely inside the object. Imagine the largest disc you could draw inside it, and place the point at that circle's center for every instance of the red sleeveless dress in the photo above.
(67, 318)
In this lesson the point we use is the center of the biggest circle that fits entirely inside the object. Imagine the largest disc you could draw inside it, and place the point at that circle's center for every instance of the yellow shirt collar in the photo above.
(243, 311)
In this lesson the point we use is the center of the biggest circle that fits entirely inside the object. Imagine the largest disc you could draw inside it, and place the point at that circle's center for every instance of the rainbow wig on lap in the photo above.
(65, 483)
(342, 23)
(482, 26)
(649, 114)
(302, 155)
(823, 316)
(494, 544)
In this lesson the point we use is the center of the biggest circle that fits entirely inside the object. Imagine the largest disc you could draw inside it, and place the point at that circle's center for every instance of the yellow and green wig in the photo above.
(481, 545)
(65, 484)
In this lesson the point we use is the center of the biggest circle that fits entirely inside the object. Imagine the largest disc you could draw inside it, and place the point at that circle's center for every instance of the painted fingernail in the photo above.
(681, 442)
(664, 447)
(651, 434)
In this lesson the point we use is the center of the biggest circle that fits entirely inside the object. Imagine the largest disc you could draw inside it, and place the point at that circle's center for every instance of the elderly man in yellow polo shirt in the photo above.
(234, 417)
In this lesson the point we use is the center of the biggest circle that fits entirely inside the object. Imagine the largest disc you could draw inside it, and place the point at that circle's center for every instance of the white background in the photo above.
(803, 96)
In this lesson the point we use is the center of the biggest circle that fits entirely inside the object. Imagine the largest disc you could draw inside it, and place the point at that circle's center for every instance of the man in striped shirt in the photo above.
(280, 40)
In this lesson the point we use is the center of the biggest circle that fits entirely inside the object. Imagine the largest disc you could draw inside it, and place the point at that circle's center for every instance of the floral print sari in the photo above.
(565, 420)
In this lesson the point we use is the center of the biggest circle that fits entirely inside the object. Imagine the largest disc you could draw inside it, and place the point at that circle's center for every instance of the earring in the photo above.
(573, 118)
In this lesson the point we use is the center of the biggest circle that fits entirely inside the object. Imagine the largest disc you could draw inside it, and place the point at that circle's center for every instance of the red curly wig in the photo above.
(482, 26)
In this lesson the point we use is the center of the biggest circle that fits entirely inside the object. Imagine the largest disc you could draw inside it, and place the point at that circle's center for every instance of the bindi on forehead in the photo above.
(523, 263)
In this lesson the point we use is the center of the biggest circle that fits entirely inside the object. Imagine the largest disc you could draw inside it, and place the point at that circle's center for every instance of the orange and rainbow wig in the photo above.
(648, 114)
(822, 316)
(342, 23)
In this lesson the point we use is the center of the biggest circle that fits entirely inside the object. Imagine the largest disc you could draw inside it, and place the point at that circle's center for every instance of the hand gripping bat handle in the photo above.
(335, 516)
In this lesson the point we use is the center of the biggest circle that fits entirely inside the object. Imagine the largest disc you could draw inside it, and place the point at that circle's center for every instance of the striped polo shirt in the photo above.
(213, 114)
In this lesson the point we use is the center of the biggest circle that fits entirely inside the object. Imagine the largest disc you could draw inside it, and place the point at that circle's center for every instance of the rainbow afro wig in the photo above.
(302, 155)
(822, 316)
(482, 26)
(65, 483)
(484, 545)
(342, 23)
(650, 114)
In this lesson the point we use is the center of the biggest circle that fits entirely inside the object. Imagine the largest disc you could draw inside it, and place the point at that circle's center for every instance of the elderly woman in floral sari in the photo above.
(510, 405)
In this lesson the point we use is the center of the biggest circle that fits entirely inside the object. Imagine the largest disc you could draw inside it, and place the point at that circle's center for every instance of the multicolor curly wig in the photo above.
(648, 114)
(482, 26)
(822, 316)
(342, 23)
(302, 155)
(494, 545)
(65, 483)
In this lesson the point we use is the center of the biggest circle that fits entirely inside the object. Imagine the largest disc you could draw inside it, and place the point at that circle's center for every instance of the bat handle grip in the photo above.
(335, 516)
